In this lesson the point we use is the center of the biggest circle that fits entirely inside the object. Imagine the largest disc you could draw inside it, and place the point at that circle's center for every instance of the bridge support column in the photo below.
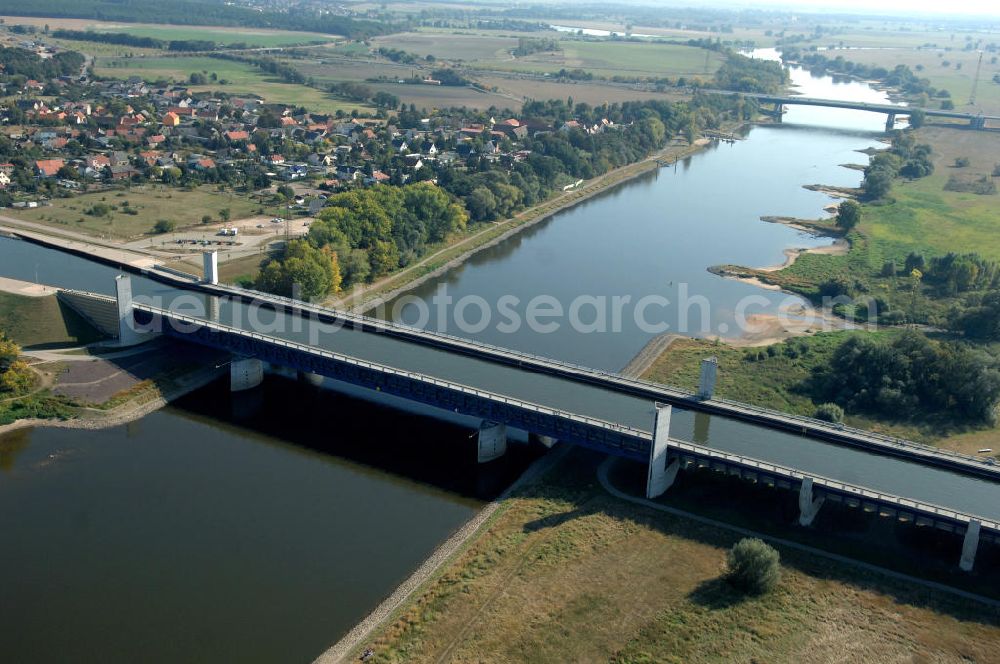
(970, 546)
(128, 334)
(245, 373)
(210, 262)
(492, 443)
(890, 122)
(546, 441)
(709, 373)
(978, 122)
(808, 506)
(660, 477)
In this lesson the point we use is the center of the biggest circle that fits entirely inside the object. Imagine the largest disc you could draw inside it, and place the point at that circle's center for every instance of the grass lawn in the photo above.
(567, 573)
(42, 321)
(153, 202)
(929, 219)
(611, 58)
(240, 79)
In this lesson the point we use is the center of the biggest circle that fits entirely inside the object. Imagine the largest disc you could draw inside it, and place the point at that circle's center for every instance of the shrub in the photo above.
(753, 566)
(164, 226)
(961, 162)
(829, 412)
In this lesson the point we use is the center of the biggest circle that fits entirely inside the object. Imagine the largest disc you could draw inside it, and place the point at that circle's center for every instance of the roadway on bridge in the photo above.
(901, 477)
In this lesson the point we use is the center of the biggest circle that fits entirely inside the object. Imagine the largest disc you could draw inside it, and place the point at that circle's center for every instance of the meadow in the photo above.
(151, 202)
(566, 572)
(241, 79)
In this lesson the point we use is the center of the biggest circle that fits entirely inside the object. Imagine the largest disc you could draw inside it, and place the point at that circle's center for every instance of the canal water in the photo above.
(260, 527)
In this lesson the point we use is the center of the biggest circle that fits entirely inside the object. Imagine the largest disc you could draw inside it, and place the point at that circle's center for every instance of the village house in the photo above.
(48, 168)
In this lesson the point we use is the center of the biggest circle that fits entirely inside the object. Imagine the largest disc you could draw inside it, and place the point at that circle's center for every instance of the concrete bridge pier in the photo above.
(978, 122)
(210, 263)
(890, 122)
(660, 476)
(706, 381)
(129, 334)
(808, 506)
(245, 373)
(546, 441)
(492, 442)
(969, 546)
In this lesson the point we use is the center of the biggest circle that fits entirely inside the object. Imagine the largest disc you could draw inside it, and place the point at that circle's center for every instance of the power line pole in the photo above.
(975, 81)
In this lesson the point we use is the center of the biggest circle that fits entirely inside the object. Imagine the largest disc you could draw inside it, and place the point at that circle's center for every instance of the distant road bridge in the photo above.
(975, 120)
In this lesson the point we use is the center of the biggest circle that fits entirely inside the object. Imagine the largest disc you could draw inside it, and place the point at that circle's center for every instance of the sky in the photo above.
(909, 7)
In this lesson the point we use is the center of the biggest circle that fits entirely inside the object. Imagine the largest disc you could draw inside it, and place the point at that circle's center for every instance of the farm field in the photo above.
(222, 35)
(588, 92)
(452, 46)
(327, 71)
(241, 79)
(152, 202)
(611, 58)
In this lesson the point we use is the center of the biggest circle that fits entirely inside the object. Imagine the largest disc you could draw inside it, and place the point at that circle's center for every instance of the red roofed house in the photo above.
(171, 119)
(47, 168)
(237, 135)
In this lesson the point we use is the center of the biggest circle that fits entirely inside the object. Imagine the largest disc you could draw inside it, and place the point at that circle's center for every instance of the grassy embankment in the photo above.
(150, 202)
(565, 572)
(39, 322)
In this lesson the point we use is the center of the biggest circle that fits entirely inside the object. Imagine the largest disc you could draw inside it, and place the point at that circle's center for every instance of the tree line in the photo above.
(199, 12)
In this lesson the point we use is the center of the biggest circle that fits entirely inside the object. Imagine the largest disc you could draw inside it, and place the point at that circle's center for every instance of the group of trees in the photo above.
(15, 376)
(901, 77)
(905, 158)
(126, 39)
(979, 318)
(529, 45)
(911, 375)
(303, 271)
(20, 62)
(361, 235)
(750, 75)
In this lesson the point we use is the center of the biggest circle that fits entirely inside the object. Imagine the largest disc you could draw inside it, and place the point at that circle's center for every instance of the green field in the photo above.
(450, 46)
(241, 79)
(43, 321)
(611, 58)
(249, 36)
(153, 202)
(927, 218)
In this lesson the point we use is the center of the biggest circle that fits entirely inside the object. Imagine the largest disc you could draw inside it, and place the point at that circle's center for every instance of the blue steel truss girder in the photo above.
(618, 443)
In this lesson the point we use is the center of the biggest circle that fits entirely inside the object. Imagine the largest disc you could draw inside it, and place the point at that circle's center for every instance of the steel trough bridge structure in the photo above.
(599, 410)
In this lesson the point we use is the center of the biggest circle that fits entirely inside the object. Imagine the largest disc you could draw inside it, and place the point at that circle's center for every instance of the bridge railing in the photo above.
(836, 485)
(680, 394)
(764, 466)
(412, 375)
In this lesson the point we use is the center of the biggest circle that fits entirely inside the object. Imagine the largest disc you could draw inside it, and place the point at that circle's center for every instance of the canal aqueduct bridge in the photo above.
(607, 412)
